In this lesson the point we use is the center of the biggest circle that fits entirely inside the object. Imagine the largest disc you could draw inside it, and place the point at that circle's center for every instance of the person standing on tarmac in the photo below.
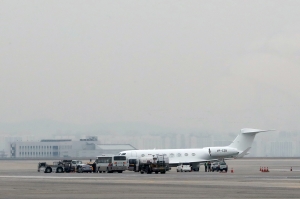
(205, 165)
(209, 166)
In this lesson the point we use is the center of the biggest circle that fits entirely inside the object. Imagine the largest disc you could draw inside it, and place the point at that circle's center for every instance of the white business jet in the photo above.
(237, 149)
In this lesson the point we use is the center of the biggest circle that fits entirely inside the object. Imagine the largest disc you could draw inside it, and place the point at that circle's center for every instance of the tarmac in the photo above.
(20, 179)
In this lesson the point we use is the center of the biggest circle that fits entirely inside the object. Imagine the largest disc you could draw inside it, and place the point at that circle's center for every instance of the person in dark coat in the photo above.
(205, 165)
(209, 167)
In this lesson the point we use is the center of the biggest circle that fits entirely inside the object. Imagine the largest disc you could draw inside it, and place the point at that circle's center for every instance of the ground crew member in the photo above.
(205, 165)
(209, 166)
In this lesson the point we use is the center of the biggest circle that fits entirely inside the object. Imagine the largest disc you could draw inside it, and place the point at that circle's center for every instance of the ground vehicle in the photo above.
(58, 167)
(219, 166)
(215, 167)
(48, 168)
(132, 164)
(76, 162)
(184, 167)
(92, 164)
(111, 163)
(81, 168)
(155, 163)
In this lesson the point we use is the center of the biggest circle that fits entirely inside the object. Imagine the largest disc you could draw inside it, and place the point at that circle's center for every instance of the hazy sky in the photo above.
(196, 64)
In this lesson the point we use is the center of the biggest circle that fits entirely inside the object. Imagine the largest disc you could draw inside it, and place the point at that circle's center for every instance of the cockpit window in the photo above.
(123, 153)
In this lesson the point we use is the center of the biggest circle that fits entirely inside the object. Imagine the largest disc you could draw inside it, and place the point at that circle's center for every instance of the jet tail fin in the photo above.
(245, 139)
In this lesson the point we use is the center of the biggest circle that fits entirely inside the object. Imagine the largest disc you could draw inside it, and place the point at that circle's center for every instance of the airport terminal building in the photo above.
(48, 148)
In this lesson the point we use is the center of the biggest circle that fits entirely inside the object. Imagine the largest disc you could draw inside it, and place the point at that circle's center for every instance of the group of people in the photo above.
(207, 166)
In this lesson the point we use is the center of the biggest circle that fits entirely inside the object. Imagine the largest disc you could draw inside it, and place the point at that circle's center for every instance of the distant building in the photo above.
(297, 149)
(88, 147)
(3, 154)
(281, 149)
(253, 151)
(113, 148)
(222, 142)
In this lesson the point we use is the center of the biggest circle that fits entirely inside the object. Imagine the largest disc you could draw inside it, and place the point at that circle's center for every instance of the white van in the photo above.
(184, 167)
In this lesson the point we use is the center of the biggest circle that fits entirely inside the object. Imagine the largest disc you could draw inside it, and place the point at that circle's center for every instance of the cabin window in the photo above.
(178, 154)
(171, 155)
(186, 154)
(143, 155)
(193, 154)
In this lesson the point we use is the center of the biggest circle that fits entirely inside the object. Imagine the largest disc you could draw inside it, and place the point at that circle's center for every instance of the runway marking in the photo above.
(295, 177)
(270, 178)
(287, 170)
(55, 177)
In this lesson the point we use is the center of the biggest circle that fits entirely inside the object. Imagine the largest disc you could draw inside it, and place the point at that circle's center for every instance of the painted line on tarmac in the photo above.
(273, 177)
(55, 177)
(286, 170)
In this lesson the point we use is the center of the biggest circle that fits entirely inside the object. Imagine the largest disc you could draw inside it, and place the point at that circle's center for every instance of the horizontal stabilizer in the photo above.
(243, 153)
(254, 131)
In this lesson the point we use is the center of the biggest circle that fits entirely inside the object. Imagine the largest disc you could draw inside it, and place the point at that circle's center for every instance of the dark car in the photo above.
(81, 168)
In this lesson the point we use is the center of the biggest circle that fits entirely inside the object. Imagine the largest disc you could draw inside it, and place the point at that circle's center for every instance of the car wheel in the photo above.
(48, 170)
(59, 170)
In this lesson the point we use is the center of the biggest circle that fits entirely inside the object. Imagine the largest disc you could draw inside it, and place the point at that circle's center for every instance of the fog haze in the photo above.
(202, 65)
